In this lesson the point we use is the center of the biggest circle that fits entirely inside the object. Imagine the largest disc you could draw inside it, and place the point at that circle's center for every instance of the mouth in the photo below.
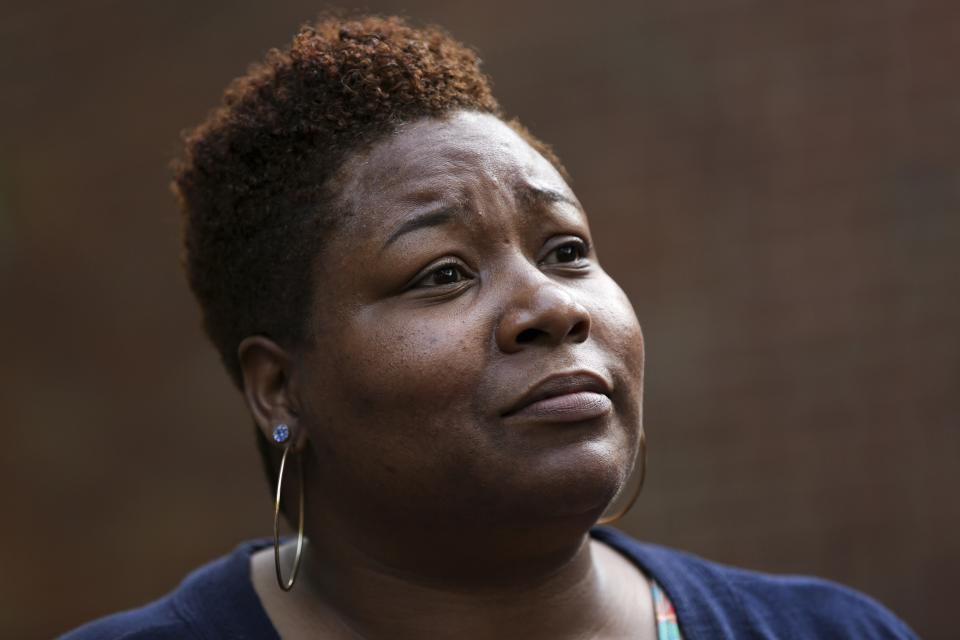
(565, 397)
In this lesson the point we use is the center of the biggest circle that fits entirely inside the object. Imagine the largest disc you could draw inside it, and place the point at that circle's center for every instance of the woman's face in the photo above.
(462, 279)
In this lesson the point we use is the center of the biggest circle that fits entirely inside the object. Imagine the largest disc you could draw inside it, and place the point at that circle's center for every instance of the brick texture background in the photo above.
(776, 186)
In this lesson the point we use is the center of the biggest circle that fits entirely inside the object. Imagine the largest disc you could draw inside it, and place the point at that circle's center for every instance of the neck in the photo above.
(534, 585)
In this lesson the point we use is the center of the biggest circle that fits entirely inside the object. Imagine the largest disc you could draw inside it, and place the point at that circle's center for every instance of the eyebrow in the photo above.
(532, 196)
(529, 195)
(431, 218)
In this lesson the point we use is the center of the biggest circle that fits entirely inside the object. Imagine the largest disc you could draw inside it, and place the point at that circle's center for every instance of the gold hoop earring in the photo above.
(636, 492)
(286, 586)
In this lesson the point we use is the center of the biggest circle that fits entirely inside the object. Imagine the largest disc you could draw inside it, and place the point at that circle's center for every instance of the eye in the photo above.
(569, 252)
(445, 274)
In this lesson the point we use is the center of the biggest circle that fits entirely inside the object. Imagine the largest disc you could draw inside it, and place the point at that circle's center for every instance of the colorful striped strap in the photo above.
(667, 628)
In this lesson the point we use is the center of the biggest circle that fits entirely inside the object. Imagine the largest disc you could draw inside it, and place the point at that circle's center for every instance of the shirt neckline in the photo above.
(234, 589)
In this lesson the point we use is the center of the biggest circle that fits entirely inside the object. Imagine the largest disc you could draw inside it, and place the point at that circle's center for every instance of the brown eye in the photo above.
(567, 253)
(445, 274)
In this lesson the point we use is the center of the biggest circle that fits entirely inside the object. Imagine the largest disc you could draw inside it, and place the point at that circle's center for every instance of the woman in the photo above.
(447, 387)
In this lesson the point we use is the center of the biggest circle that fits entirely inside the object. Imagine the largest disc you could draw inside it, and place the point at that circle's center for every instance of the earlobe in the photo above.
(267, 375)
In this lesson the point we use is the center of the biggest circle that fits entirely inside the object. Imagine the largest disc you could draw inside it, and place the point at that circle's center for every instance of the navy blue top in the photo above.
(711, 601)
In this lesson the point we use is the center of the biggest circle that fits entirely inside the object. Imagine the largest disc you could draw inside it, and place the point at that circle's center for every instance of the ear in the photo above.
(267, 370)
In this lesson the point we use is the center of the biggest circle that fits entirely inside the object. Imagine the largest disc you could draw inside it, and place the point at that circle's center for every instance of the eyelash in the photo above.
(582, 248)
(456, 266)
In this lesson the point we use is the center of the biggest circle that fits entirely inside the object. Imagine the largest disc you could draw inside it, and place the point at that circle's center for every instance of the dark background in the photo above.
(775, 184)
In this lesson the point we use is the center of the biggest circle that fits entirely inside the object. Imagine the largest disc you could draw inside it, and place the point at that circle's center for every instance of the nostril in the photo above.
(527, 335)
(580, 330)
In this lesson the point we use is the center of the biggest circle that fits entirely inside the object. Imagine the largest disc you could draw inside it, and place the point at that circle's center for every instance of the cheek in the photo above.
(615, 324)
(616, 327)
(398, 386)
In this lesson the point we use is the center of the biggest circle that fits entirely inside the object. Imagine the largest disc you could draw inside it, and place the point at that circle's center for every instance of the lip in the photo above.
(564, 397)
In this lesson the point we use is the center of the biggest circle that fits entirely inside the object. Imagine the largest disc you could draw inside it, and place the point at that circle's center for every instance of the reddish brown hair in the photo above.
(254, 184)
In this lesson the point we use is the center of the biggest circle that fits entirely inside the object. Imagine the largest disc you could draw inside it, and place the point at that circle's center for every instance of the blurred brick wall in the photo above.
(776, 185)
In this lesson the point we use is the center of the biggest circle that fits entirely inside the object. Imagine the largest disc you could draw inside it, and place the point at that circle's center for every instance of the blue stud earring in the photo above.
(281, 433)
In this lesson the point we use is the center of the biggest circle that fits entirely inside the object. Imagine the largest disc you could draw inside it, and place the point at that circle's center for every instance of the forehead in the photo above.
(462, 157)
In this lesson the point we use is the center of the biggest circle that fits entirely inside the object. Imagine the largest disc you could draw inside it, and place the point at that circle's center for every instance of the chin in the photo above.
(577, 481)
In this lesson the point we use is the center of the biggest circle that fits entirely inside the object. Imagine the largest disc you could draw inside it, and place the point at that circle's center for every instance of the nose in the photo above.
(541, 312)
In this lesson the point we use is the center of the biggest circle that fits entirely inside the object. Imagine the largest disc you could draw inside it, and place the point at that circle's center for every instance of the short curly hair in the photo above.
(254, 185)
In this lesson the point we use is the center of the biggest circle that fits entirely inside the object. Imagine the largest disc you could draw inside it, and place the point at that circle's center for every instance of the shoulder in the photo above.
(810, 606)
(716, 600)
(159, 619)
(216, 600)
